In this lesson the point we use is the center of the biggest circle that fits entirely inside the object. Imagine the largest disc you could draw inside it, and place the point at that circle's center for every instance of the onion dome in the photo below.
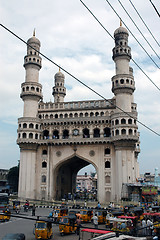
(120, 30)
(59, 76)
(33, 39)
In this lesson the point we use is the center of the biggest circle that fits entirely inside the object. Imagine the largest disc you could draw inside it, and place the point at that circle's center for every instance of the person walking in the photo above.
(149, 227)
(33, 210)
(98, 205)
(95, 221)
(78, 222)
(55, 216)
(144, 227)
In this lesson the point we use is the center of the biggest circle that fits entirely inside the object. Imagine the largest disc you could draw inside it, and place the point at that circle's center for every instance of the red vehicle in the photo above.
(88, 233)
(132, 221)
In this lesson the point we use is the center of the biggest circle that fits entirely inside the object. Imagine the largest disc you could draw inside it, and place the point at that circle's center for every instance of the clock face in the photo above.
(75, 132)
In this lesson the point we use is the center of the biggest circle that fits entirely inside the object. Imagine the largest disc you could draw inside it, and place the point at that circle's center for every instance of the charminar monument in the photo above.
(58, 138)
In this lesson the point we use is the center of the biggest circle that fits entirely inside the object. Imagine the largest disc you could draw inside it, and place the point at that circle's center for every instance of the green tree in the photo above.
(13, 177)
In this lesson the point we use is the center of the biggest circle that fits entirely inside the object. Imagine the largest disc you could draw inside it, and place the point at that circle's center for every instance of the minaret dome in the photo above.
(59, 90)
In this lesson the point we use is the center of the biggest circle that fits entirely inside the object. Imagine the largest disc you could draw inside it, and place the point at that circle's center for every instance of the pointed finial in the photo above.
(34, 32)
(59, 68)
(120, 22)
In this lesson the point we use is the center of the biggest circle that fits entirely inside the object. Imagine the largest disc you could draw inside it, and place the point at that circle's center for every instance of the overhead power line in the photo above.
(154, 8)
(79, 80)
(138, 28)
(144, 23)
(133, 34)
(119, 45)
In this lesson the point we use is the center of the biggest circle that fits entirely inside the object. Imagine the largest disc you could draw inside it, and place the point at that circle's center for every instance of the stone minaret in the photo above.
(29, 124)
(124, 127)
(59, 90)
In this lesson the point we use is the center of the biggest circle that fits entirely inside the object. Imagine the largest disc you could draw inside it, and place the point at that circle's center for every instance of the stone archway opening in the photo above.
(87, 183)
(65, 177)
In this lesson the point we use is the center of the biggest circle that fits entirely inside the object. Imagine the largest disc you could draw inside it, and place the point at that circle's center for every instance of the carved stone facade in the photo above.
(57, 139)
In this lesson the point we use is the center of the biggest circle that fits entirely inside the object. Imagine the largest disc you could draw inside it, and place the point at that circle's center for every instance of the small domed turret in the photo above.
(59, 76)
(120, 30)
(34, 40)
(59, 91)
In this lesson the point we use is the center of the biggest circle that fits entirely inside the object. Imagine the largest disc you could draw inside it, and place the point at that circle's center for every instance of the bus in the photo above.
(4, 200)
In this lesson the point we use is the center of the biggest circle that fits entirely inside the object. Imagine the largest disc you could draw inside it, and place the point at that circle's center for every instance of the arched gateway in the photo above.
(57, 139)
(65, 173)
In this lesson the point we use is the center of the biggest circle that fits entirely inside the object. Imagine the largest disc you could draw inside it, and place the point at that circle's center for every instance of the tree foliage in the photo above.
(13, 177)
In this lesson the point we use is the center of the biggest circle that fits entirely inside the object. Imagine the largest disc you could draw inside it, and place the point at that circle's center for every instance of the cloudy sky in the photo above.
(72, 38)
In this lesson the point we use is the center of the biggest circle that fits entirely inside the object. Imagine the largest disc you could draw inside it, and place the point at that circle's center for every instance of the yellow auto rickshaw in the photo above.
(5, 215)
(86, 215)
(63, 211)
(101, 214)
(118, 225)
(67, 224)
(43, 229)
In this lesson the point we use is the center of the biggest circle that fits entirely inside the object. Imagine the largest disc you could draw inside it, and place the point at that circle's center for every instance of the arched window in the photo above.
(44, 164)
(36, 136)
(117, 132)
(30, 135)
(45, 134)
(31, 125)
(107, 164)
(81, 114)
(44, 152)
(123, 121)
(43, 178)
(55, 134)
(91, 114)
(66, 115)
(86, 133)
(24, 135)
(24, 125)
(107, 151)
(117, 122)
(56, 116)
(122, 81)
(123, 131)
(107, 132)
(97, 114)
(130, 132)
(36, 126)
(86, 114)
(96, 132)
(76, 115)
(129, 121)
(65, 134)
(70, 115)
(102, 113)
(127, 81)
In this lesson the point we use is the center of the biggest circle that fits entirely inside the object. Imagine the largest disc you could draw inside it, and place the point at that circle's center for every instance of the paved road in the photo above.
(26, 226)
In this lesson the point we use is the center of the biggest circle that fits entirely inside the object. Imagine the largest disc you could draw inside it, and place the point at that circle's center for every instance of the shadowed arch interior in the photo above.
(65, 176)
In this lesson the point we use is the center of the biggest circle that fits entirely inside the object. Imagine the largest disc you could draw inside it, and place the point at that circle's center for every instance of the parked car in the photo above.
(15, 236)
